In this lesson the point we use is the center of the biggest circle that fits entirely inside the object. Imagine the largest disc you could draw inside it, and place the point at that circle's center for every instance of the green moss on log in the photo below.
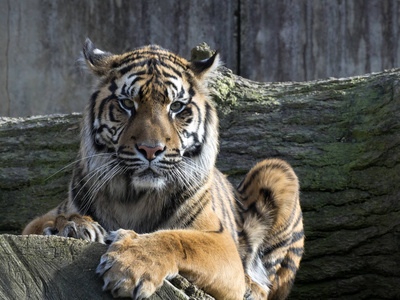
(340, 135)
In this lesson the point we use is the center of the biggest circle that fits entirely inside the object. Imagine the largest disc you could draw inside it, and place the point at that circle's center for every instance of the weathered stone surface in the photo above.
(340, 135)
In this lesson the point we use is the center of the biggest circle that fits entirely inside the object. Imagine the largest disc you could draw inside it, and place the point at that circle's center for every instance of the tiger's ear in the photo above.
(204, 68)
(97, 60)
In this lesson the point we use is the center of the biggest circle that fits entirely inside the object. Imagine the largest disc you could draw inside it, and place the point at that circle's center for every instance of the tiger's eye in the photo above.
(127, 103)
(177, 106)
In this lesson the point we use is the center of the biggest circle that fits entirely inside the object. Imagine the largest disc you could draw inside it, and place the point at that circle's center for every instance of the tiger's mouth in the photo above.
(157, 173)
(147, 179)
(150, 172)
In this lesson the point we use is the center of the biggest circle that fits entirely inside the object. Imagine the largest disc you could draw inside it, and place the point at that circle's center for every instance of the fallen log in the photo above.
(340, 135)
(51, 267)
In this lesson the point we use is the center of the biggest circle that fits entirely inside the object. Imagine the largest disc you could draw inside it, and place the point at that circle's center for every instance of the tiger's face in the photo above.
(152, 115)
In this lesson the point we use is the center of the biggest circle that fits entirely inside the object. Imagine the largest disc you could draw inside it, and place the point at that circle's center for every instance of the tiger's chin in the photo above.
(148, 181)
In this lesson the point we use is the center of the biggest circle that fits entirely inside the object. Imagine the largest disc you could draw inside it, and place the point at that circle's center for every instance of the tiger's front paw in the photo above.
(135, 265)
(76, 226)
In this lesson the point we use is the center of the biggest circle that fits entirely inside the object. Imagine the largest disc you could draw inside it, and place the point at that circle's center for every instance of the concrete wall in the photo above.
(265, 40)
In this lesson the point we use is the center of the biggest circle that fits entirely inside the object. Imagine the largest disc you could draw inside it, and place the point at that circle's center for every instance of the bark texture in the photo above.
(341, 136)
(50, 267)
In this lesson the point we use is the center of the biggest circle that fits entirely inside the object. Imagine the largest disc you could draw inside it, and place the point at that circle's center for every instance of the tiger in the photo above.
(145, 183)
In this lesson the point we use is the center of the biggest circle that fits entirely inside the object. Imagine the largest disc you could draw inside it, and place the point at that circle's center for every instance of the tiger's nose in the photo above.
(151, 152)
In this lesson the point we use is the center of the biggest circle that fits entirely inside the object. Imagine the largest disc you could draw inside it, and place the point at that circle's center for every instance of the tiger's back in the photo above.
(146, 168)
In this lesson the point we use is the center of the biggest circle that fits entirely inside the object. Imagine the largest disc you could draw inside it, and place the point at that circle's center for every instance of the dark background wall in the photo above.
(264, 40)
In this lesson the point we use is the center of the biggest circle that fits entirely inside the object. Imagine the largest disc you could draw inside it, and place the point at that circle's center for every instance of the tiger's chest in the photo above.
(117, 205)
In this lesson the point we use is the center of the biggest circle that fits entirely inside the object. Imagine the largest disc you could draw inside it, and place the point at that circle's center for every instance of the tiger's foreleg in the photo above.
(272, 240)
(136, 265)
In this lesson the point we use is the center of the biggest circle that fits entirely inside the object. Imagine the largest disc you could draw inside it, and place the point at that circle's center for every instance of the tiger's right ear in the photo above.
(204, 68)
(97, 60)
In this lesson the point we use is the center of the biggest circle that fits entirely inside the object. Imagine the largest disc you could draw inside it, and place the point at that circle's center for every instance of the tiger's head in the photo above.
(151, 115)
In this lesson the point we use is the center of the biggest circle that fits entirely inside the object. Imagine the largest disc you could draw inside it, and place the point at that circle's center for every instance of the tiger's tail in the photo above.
(271, 241)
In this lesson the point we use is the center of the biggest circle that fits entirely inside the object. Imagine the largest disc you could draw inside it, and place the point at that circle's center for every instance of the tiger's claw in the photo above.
(76, 226)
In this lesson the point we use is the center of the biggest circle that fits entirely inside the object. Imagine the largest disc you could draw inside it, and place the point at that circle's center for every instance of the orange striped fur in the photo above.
(146, 183)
